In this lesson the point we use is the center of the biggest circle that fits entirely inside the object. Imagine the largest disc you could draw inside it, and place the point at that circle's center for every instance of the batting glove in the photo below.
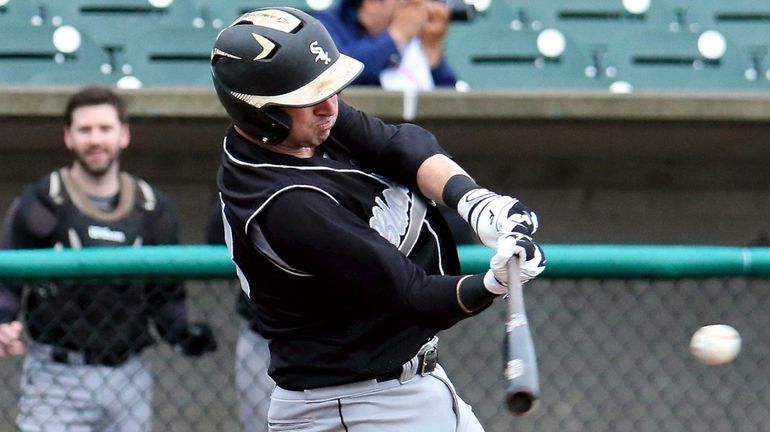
(510, 245)
(198, 341)
(492, 215)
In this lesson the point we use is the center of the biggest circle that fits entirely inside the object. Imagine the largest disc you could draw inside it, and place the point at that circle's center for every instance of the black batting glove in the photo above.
(198, 340)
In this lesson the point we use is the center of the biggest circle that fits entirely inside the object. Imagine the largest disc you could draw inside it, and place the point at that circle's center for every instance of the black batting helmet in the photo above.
(276, 57)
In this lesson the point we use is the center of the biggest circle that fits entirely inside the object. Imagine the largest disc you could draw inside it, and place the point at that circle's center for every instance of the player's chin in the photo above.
(98, 169)
(323, 135)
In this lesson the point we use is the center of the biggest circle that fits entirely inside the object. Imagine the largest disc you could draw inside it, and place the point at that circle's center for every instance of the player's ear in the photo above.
(125, 135)
(68, 137)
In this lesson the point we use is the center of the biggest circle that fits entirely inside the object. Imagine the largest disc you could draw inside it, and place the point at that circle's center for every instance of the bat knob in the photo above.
(520, 403)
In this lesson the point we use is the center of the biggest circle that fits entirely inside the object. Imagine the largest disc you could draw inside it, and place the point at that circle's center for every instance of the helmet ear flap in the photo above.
(274, 125)
(279, 116)
(279, 121)
(269, 124)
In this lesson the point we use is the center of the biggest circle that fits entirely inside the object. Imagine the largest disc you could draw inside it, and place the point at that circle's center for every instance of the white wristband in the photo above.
(493, 285)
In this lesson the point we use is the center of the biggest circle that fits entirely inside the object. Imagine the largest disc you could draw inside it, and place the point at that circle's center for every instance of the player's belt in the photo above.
(423, 363)
(65, 356)
(78, 358)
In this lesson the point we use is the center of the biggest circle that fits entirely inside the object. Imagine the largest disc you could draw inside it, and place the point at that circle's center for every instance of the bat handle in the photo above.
(515, 293)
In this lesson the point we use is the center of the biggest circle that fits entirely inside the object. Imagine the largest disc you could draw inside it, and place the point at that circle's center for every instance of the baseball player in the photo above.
(83, 369)
(330, 217)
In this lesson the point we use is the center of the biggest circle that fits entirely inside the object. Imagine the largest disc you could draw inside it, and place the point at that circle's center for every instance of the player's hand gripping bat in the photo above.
(522, 388)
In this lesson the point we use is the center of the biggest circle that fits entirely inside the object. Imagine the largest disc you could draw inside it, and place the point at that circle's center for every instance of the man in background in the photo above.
(83, 369)
(400, 42)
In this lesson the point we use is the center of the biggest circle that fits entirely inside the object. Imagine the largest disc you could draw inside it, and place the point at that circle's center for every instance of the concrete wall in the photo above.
(598, 168)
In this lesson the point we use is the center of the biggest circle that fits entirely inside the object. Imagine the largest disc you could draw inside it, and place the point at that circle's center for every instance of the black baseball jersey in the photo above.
(109, 319)
(347, 266)
(215, 235)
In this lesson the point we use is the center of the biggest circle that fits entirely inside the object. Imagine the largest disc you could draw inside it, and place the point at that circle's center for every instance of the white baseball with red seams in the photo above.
(715, 344)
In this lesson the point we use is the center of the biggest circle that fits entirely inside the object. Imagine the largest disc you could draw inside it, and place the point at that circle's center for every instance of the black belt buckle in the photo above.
(64, 356)
(60, 355)
(429, 361)
(109, 359)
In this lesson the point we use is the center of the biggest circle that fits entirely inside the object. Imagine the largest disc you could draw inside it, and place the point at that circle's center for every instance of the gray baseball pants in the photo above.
(412, 403)
(252, 358)
(76, 397)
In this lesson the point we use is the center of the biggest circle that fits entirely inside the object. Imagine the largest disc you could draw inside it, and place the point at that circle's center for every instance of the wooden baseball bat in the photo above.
(523, 384)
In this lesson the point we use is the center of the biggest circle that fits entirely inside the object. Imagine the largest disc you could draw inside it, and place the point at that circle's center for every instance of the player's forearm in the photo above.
(433, 175)
(434, 301)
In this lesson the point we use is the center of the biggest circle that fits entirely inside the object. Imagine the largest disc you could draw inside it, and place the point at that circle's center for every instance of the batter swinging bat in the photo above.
(523, 387)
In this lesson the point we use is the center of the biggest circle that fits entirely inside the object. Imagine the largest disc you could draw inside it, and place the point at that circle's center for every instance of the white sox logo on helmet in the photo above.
(320, 53)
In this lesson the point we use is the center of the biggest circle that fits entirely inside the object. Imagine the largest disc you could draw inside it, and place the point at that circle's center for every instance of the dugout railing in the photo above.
(611, 325)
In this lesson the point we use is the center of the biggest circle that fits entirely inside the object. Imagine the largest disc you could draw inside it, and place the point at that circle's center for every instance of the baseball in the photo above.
(715, 344)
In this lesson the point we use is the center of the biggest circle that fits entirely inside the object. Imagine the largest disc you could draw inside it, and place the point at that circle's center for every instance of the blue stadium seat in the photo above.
(156, 62)
(28, 56)
(500, 58)
(665, 60)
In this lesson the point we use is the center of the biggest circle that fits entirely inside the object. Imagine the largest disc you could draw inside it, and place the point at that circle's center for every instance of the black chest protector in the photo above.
(79, 223)
(91, 316)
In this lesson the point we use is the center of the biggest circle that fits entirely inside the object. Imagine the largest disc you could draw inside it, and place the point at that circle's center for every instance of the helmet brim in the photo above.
(333, 80)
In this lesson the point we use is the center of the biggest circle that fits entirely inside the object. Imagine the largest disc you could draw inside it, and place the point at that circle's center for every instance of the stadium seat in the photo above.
(746, 22)
(504, 12)
(595, 23)
(185, 62)
(219, 14)
(665, 60)
(500, 58)
(114, 23)
(28, 56)
(23, 12)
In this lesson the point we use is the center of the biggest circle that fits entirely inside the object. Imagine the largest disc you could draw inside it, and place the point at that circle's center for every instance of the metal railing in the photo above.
(611, 324)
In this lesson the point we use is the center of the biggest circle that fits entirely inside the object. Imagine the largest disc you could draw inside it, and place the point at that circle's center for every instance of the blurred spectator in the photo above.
(83, 368)
(400, 42)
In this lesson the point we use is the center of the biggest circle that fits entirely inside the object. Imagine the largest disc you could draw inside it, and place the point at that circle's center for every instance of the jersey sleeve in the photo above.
(27, 224)
(394, 151)
(443, 75)
(312, 233)
(10, 294)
